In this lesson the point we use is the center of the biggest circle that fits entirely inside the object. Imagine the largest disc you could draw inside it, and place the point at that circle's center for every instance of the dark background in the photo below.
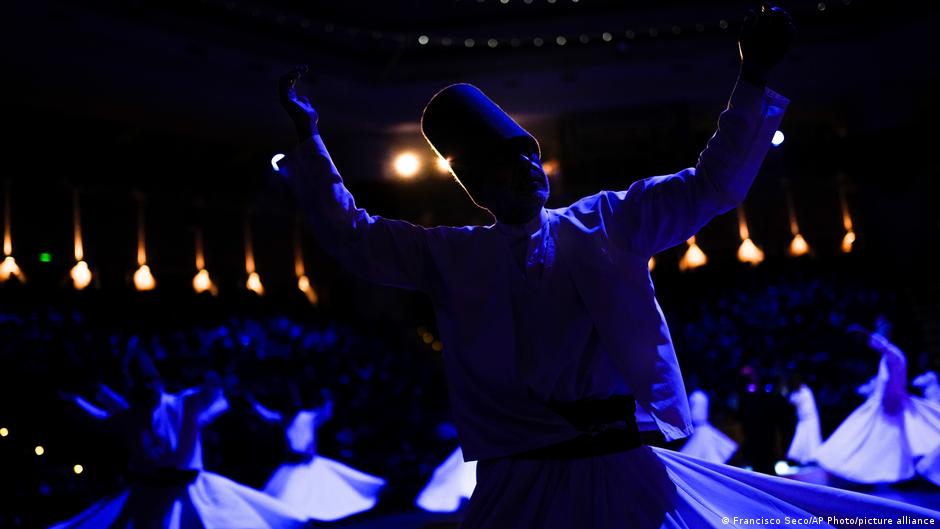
(174, 103)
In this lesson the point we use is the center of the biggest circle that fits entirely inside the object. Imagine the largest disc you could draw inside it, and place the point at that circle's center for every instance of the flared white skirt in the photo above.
(873, 446)
(710, 444)
(807, 438)
(452, 482)
(653, 488)
(211, 501)
(324, 489)
(929, 466)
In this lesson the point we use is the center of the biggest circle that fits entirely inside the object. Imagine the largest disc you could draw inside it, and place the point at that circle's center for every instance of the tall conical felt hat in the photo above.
(466, 127)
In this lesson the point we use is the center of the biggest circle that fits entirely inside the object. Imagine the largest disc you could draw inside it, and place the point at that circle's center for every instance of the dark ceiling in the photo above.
(195, 65)
(196, 79)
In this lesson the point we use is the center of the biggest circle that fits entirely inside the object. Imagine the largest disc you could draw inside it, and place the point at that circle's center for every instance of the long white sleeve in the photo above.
(389, 252)
(663, 211)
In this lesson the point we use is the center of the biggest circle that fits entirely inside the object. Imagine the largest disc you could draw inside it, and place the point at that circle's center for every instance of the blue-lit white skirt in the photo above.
(324, 489)
(710, 444)
(653, 488)
(210, 501)
(875, 446)
(452, 482)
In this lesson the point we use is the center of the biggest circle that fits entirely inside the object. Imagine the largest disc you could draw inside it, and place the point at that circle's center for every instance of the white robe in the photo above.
(929, 385)
(653, 488)
(929, 466)
(880, 440)
(807, 437)
(452, 483)
(171, 439)
(706, 442)
(320, 488)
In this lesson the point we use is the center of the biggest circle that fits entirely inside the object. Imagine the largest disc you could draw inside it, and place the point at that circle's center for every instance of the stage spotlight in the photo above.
(276, 158)
(407, 165)
(777, 139)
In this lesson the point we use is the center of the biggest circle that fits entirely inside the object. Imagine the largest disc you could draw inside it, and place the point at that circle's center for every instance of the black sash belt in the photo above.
(608, 426)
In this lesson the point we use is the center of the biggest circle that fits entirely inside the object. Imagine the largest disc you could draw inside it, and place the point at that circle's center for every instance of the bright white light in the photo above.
(748, 252)
(693, 257)
(443, 164)
(798, 246)
(303, 283)
(78, 469)
(40, 450)
(81, 275)
(203, 283)
(777, 139)
(254, 283)
(782, 468)
(848, 241)
(423, 39)
(407, 165)
(4, 432)
(143, 279)
(276, 158)
(9, 268)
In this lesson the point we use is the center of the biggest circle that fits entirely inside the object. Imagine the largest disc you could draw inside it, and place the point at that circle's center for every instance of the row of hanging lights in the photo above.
(750, 253)
(143, 278)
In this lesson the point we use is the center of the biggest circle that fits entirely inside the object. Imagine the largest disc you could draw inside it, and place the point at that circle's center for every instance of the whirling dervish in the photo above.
(880, 440)
(706, 442)
(169, 488)
(555, 338)
(807, 436)
(318, 487)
